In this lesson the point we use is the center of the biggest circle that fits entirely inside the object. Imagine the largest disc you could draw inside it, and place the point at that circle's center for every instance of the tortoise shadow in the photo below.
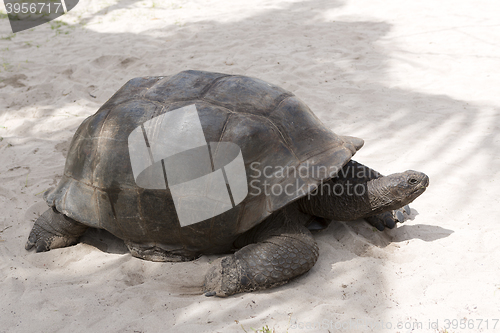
(360, 234)
(425, 232)
(104, 241)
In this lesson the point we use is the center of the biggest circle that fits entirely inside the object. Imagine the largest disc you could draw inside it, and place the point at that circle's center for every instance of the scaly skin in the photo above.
(53, 230)
(348, 198)
(278, 250)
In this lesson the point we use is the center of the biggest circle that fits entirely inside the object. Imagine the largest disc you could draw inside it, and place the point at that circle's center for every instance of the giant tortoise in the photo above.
(207, 163)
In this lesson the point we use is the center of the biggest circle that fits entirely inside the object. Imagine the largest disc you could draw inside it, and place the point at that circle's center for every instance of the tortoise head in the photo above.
(397, 190)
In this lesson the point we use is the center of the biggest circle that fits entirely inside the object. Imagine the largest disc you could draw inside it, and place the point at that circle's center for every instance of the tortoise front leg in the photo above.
(54, 230)
(279, 254)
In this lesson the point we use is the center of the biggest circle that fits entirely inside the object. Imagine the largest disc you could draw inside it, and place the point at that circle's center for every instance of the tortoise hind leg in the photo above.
(53, 230)
(279, 254)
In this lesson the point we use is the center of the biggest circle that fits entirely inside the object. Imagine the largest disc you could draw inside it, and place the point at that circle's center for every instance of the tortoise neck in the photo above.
(343, 200)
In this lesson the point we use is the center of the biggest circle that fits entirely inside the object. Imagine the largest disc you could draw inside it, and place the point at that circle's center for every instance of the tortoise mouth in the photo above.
(425, 182)
(416, 192)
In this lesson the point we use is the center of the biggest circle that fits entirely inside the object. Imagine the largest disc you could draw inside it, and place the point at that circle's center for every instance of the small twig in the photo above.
(42, 191)
(5, 229)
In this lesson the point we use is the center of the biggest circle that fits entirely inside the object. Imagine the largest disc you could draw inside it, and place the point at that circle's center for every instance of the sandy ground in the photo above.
(419, 81)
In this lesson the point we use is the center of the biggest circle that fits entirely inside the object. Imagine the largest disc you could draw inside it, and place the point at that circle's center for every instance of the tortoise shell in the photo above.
(280, 149)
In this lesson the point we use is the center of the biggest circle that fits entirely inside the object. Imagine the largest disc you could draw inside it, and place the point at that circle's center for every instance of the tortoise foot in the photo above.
(281, 254)
(223, 278)
(389, 219)
(53, 230)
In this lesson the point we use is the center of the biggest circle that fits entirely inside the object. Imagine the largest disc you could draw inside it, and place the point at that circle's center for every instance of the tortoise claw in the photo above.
(39, 239)
(399, 215)
(389, 219)
(42, 246)
(30, 243)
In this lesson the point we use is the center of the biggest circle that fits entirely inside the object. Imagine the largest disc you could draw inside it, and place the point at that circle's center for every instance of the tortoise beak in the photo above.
(426, 181)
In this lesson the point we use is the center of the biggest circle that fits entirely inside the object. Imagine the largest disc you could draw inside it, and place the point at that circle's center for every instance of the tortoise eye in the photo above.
(413, 181)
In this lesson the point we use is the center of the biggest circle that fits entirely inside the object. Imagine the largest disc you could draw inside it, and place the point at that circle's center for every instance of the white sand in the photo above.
(418, 80)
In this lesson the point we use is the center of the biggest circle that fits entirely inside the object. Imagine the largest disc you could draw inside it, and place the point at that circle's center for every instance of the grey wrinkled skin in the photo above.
(267, 233)
(53, 230)
(272, 253)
